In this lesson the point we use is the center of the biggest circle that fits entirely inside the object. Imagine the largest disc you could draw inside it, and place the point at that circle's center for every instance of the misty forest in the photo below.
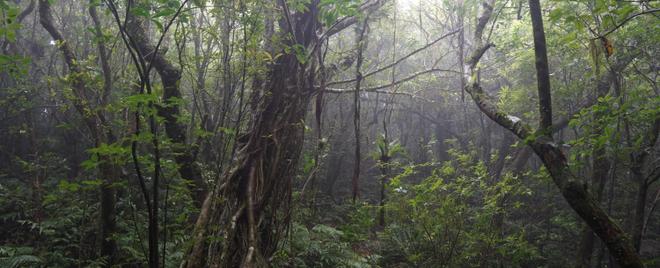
(329, 133)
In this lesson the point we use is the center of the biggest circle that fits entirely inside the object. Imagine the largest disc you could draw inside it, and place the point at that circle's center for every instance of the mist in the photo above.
(329, 133)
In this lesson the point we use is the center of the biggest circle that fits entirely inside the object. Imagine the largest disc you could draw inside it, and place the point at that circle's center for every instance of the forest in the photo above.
(329, 133)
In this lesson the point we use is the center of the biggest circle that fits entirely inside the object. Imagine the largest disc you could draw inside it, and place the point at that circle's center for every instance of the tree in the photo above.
(96, 123)
(251, 203)
(543, 144)
(249, 208)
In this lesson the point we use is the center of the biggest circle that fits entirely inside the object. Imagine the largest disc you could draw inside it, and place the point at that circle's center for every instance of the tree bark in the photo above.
(543, 145)
(361, 30)
(170, 76)
(249, 208)
(99, 128)
(542, 71)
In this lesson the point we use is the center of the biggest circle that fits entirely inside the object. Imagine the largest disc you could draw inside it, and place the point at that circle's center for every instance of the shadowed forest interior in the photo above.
(329, 133)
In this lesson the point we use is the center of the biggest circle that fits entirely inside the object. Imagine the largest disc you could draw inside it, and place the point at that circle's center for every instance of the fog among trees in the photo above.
(329, 133)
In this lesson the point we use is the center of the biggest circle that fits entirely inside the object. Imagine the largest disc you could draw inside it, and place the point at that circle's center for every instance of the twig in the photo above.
(626, 21)
(398, 60)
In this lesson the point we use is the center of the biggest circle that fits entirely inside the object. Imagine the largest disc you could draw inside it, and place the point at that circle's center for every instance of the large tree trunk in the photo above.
(250, 206)
(249, 209)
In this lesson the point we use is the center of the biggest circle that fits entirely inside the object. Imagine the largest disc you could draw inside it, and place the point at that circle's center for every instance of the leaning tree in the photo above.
(542, 142)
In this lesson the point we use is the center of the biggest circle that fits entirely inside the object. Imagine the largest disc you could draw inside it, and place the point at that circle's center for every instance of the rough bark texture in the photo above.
(580, 200)
(245, 216)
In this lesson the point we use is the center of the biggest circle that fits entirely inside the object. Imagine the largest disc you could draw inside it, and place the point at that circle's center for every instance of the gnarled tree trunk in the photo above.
(248, 211)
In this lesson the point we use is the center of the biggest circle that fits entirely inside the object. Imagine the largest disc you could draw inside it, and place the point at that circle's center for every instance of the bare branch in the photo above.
(399, 60)
(376, 88)
(342, 91)
(626, 21)
(345, 22)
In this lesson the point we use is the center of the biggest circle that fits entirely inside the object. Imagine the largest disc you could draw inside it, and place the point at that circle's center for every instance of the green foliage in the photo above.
(448, 214)
(320, 246)
(601, 124)
(15, 65)
(15, 257)
(359, 221)
(157, 10)
(389, 149)
(448, 219)
(331, 10)
(8, 21)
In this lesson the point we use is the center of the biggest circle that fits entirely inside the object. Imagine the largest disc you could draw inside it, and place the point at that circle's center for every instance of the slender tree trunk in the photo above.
(385, 173)
(109, 175)
(542, 70)
(109, 171)
(643, 181)
(361, 28)
(100, 130)
(336, 158)
(495, 170)
(571, 188)
(170, 76)
(599, 172)
(600, 169)
(640, 209)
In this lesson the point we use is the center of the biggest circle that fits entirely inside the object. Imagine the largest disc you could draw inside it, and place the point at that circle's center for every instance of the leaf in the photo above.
(67, 186)
(21, 261)
(140, 11)
(609, 49)
(556, 14)
(158, 24)
(625, 11)
(164, 13)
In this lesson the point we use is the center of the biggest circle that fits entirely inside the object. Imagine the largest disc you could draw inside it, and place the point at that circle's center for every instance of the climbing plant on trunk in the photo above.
(245, 216)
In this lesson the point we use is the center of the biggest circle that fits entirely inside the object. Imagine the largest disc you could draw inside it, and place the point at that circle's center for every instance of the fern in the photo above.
(20, 261)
